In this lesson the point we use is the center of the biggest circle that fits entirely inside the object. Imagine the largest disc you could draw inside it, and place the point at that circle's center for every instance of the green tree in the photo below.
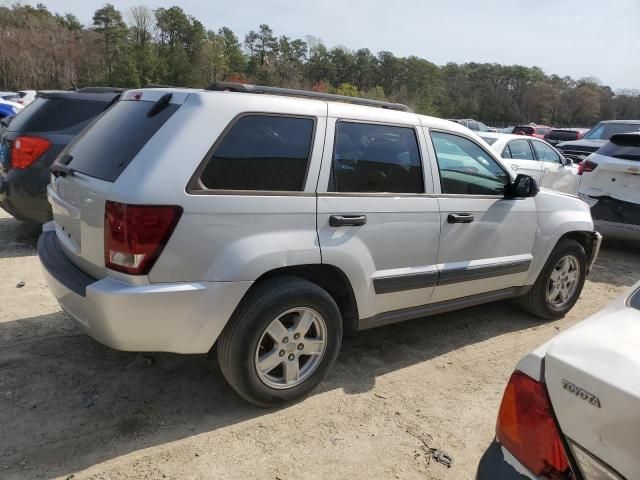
(107, 21)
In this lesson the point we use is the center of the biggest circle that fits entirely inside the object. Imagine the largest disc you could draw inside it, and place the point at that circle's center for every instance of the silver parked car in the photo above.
(269, 220)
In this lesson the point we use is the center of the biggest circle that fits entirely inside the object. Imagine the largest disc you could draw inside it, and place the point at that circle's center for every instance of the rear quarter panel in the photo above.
(223, 236)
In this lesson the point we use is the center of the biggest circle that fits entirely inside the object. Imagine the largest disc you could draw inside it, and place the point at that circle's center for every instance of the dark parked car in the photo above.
(31, 141)
(596, 137)
(558, 135)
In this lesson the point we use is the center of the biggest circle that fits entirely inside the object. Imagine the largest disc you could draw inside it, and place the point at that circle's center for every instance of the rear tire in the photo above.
(560, 282)
(281, 341)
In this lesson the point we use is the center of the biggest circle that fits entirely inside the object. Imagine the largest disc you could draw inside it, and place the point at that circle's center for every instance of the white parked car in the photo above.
(610, 183)
(571, 410)
(268, 220)
(535, 157)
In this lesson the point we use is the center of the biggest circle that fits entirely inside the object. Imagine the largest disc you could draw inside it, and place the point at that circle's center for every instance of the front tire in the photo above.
(281, 342)
(560, 283)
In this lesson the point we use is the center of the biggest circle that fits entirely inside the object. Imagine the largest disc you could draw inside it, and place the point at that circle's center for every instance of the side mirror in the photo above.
(567, 162)
(522, 187)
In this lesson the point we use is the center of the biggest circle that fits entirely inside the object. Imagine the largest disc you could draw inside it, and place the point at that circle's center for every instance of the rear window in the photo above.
(627, 148)
(57, 114)
(542, 131)
(562, 135)
(263, 153)
(106, 149)
(523, 130)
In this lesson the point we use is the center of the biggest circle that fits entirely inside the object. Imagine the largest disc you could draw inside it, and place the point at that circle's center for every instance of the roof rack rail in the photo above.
(290, 92)
(100, 90)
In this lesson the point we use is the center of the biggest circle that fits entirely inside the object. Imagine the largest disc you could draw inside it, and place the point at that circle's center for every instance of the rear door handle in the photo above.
(546, 170)
(460, 218)
(347, 220)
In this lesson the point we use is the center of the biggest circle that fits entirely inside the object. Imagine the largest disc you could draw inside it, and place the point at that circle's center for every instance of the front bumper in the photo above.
(167, 317)
(498, 464)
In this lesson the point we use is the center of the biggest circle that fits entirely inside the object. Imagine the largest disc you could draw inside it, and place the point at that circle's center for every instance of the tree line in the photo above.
(40, 49)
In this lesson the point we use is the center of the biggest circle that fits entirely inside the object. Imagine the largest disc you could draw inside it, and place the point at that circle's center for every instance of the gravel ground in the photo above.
(72, 408)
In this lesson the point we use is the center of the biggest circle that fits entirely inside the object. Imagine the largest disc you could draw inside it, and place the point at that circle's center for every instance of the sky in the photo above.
(579, 38)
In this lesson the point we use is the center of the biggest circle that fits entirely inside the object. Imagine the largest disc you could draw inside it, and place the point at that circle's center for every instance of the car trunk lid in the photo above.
(86, 171)
(592, 374)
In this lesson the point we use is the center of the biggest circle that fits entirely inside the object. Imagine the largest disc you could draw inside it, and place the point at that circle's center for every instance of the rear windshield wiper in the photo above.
(61, 170)
(159, 105)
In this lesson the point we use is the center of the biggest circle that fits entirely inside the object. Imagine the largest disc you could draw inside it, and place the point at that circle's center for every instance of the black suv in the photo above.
(595, 138)
(31, 140)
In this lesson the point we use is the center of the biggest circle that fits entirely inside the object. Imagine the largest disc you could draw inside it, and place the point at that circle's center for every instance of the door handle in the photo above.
(546, 170)
(460, 218)
(347, 220)
(514, 166)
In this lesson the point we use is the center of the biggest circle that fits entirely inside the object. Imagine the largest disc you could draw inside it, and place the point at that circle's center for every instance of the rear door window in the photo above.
(57, 115)
(376, 158)
(106, 149)
(518, 150)
(262, 153)
(545, 153)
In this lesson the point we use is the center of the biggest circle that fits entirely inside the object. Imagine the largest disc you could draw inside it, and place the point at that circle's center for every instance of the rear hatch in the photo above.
(85, 172)
(592, 374)
(616, 170)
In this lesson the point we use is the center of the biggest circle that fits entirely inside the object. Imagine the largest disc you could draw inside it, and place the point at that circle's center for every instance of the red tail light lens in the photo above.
(27, 150)
(134, 235)
(527, 428)
(586, 166)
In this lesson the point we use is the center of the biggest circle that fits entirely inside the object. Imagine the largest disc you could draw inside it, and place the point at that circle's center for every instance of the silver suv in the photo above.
(265, 221)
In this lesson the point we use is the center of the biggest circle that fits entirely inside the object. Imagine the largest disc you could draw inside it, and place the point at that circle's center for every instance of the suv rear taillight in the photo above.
(134, 235)
(27, 150)
(527, 428)
(586, 166)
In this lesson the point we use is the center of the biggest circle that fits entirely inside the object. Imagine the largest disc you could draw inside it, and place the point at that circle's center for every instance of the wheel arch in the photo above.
(330, 278)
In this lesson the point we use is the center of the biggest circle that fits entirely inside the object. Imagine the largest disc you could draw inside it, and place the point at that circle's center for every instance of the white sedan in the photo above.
(536, 158)
(572, 407)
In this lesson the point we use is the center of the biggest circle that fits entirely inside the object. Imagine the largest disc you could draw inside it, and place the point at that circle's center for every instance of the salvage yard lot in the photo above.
(69, 405)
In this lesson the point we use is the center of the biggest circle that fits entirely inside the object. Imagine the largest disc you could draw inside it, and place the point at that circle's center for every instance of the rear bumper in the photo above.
(23, 194)
(498, 464)
(168, 317)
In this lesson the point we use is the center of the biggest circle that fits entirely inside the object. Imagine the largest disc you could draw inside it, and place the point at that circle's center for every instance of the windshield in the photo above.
(603, 131)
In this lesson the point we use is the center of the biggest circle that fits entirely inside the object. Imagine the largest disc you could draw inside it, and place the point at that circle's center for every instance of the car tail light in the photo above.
(134, 235)
(586, 166)
(527, 428)
(27, 150)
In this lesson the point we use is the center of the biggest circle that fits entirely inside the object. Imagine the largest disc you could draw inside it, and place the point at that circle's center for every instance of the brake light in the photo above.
(135, 235)
(27, 150)
(586, 166)
(527, 428)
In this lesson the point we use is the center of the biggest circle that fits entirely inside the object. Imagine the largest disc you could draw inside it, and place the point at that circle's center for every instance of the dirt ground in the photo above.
(71, 408)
